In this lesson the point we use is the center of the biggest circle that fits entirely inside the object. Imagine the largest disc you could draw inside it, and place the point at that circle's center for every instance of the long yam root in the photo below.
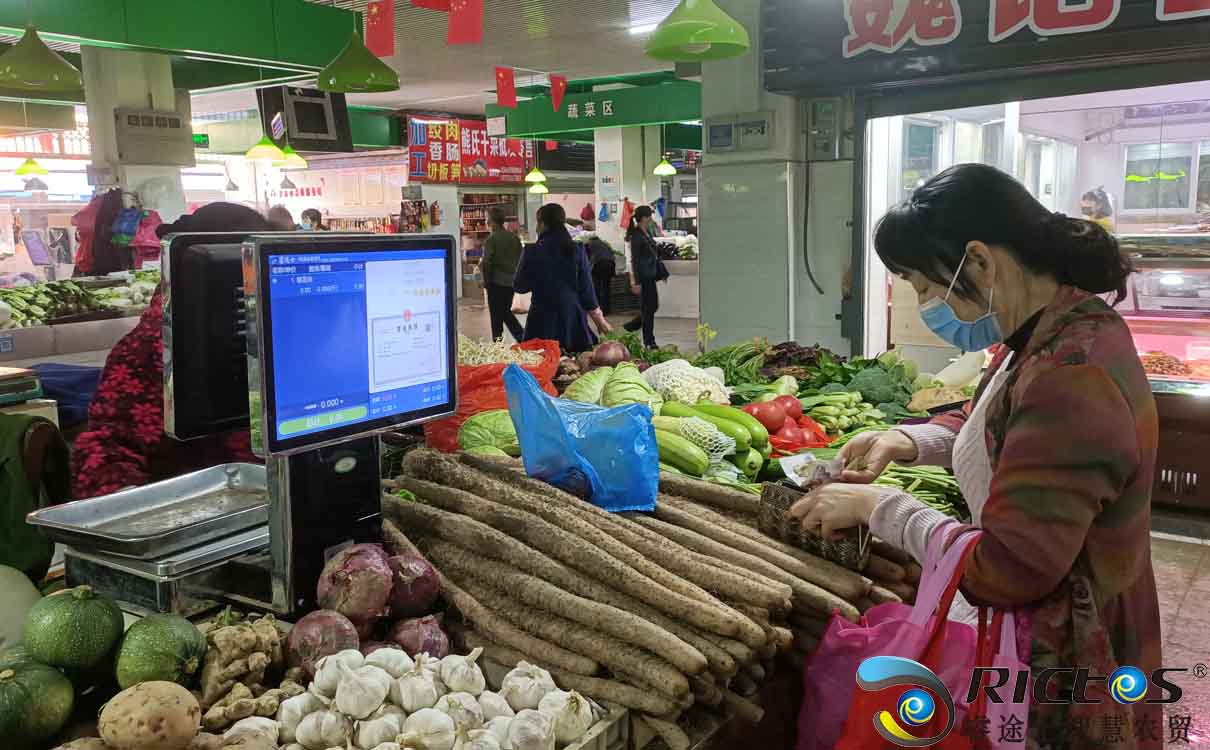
(672, 735)
(881, 569)
(710, 493)
(742, 708)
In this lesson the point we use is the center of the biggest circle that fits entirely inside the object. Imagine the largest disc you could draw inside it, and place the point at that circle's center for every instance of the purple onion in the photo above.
(414, 586)
(356, 582)
(319, 634)
(421, 635)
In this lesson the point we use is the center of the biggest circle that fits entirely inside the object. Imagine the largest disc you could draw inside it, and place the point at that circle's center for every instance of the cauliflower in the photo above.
(677, 380)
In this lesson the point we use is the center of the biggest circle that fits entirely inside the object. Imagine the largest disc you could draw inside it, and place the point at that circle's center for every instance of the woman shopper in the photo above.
(556, 272)
(645, 271)
(313, 221)
(1055, 455)
(501, 253)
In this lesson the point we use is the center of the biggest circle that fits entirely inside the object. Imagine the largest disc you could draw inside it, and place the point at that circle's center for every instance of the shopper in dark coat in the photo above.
(556, 272)
(501, 253)
(604, 268)
(645, 270)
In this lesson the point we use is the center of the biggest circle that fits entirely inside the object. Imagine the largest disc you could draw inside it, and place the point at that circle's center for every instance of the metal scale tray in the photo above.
(151, 522)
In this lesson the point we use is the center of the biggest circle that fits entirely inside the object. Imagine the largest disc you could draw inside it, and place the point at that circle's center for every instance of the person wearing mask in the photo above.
(555, 270)
(1055, 455)
(1097, 207)
(645, 271)
(124, 443)
(501, 253)
(313, 221)
(281, 219)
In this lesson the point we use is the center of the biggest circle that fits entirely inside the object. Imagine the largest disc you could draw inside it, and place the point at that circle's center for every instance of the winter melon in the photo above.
(74, 629)
(35, 703)
(18, 595)
(160, 647)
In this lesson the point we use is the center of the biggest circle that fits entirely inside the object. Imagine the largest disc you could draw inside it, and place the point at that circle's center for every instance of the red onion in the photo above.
(319, 634)
(356, 582)
(372, 646)
(365, 628)
(610, 353)
(421, 635)
(415, 585)
(643, 365)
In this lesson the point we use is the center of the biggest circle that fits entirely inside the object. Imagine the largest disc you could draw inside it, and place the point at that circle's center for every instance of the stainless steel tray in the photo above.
(157, 519)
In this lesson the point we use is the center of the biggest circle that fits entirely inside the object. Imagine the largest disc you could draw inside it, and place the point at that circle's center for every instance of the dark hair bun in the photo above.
(1092, 259)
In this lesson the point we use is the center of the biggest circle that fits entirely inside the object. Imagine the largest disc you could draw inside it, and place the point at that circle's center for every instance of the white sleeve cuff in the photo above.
(904, 522)
(934, 444)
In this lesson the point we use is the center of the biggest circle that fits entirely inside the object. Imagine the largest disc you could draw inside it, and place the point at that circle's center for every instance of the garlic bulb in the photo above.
(393, 661)
(323, 729)
(291, 711)
(476, 739)
(387, 746)
(525, 686)
(431, 663)
(499, 727)
(569, 712)
(417, 689)
(428, 729)
(494, 705)
(461, 674)
(254, 729)
(362, 691)
(384, 725)
(293, 746)
(463, 708)
(328, 674)
(531, 730)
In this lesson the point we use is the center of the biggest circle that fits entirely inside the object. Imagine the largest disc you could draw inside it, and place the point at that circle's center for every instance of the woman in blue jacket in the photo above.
(555, 270)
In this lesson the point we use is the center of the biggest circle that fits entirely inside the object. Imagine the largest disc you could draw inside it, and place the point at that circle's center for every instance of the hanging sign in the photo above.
(671, 102)
(461, 151)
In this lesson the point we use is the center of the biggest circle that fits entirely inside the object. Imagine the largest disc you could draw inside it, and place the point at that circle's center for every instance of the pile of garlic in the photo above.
(531, 713)
(388, 701)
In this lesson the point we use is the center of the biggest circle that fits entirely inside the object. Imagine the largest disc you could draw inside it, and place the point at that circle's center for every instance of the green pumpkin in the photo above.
(73, 629)
(35, 702)
(160, 647)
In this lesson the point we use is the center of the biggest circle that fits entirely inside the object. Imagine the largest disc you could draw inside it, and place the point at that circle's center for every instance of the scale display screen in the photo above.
(356, 339)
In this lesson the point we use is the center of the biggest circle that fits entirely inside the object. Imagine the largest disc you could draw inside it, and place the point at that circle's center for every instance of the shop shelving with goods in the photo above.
(473, 211)
(367, 224)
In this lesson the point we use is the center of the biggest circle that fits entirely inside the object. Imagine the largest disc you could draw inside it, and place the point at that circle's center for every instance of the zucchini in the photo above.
(670, 469)
(749, 463)
(756, 430)
(733, 430)
(681, 454)
(667, 424)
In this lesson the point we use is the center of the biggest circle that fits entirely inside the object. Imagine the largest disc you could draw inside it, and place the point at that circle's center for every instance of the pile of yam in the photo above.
(657, 612)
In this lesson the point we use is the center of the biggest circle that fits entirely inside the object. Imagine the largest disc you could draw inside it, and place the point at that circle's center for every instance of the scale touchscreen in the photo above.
(356, 337)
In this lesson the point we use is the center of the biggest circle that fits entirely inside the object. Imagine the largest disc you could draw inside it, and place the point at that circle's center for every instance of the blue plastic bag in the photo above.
(606, 456)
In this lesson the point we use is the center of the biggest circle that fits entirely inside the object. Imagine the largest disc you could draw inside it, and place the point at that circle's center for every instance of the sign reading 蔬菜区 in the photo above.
(816, 46)
(461, 151)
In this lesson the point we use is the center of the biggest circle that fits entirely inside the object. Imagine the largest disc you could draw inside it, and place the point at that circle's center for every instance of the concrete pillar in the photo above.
(636, 151)
(117, 78)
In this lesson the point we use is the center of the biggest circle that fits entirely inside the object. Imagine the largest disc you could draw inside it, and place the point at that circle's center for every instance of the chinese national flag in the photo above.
(506, 88)
(552, 145)
(558, 87)
(466, 22)
(380, 27)
(442, 5)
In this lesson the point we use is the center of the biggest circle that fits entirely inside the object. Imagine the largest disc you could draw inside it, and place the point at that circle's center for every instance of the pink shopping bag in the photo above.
(835, 714)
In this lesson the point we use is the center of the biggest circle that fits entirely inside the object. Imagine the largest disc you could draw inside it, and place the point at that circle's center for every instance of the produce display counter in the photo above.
(679, 297)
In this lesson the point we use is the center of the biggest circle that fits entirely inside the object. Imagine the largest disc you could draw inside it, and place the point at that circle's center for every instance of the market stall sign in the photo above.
(823, 45)
(461, 151)
(674, 101)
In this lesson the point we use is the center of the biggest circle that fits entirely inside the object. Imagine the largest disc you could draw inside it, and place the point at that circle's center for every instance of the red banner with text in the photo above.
(461, 151)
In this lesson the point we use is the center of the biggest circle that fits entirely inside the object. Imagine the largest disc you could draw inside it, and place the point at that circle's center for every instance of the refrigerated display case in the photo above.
(1168, 312)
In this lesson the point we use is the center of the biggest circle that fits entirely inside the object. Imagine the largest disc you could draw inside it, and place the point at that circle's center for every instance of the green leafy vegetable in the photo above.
(589, 387)
(492, 429)
(627, 386)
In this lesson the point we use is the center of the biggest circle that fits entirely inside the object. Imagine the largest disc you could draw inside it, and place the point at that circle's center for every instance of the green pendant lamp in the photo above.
(539, 188)
(30, 166)
(698, 30)
(357, 71)
(535, 176)
(265, 149)
(664, 169)
(29, 65)
(291, 159)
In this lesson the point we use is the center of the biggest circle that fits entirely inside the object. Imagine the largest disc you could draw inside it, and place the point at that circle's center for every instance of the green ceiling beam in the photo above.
(584, 85)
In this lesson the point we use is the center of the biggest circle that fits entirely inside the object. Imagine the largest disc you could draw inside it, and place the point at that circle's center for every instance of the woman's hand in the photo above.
(636, 288)
(868, 454)
(598, 319)
(837, 506)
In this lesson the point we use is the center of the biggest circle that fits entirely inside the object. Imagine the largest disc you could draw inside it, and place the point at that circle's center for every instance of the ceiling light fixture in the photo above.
(643, 28)
(231, 186)
(698, 30)
(357, 71)
(30, 166)
(29, 65)
(539, 188)
(291, 159)
(664, 169)
(35, 184)
(265, 149)
(286, 184)
(535, 176)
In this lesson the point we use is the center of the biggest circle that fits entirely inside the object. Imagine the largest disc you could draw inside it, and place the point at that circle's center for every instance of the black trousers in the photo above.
(500, 310)
(602, 279)
(649, 304)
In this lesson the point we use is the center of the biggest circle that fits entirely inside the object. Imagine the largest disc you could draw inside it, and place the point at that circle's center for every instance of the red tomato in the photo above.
(770, 414)
(790, 405)
(792, 433)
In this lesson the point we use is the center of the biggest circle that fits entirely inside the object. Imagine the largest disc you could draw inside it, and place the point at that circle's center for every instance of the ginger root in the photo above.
(243, 702)
(240, 653)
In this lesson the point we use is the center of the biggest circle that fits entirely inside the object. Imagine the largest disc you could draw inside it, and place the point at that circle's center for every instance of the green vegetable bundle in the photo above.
(740, 363)
(931, 485)
(36, 304)
(839, 412)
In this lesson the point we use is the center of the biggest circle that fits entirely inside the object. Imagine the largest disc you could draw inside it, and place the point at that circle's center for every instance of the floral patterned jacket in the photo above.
(1066, 529)
(124, 444)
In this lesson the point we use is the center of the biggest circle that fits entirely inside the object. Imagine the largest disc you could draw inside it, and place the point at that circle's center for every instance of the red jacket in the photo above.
(125, 444)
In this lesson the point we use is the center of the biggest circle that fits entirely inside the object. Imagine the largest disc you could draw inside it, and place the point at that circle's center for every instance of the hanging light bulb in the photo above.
(664, 169)
(30, 166)
(286, 183)
(697, 30)
(29, 65)
(292, 159)
(539, 188)
(357, 71)
(535, 175)
(265, 149)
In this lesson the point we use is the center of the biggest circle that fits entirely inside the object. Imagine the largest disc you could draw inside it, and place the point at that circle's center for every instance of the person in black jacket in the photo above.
(645, 270)
(604, 268)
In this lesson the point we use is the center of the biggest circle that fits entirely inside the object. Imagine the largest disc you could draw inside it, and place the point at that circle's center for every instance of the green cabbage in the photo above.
(492, 429)
(589, 387)
(627, 386)
(487, 450)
